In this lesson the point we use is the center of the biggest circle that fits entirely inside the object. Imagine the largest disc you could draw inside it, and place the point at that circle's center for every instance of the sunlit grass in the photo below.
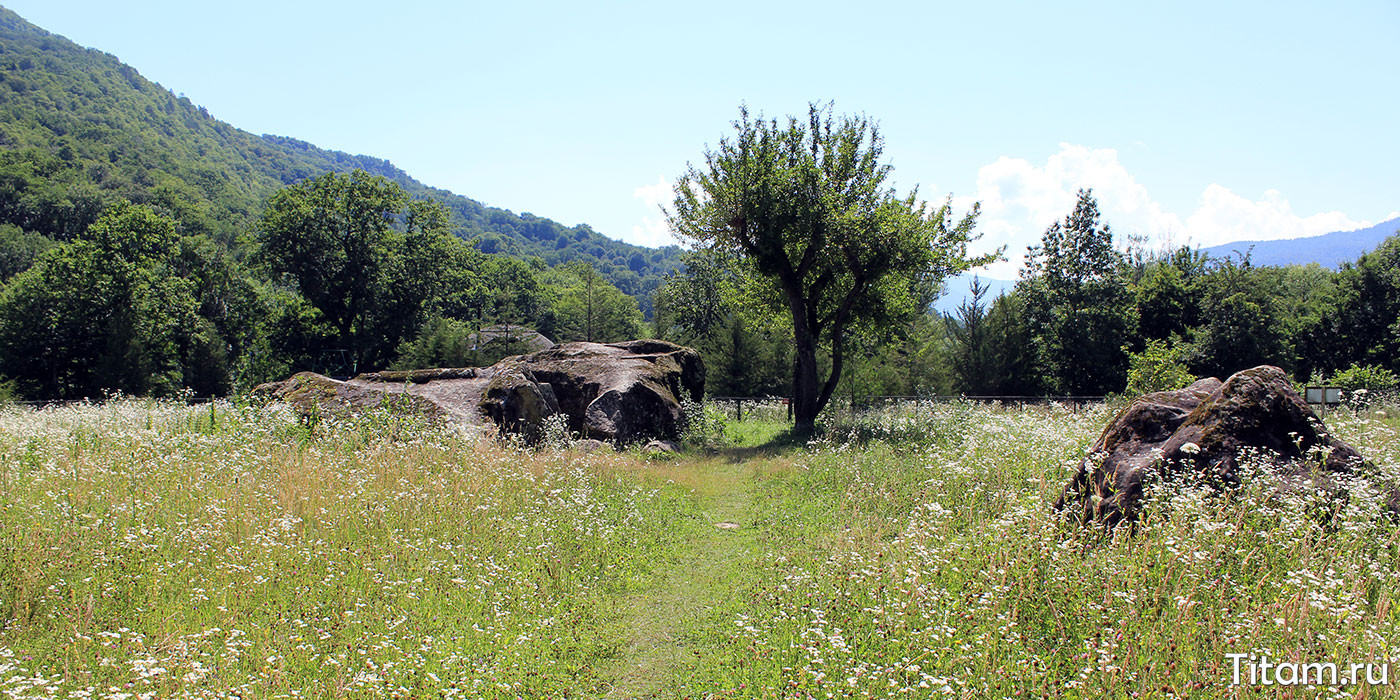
(929, 563)
(156, 550)
(152, 551)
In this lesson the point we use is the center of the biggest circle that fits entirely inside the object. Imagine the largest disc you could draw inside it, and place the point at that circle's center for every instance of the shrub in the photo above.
(1371, 377)
(441, 342)
(702, 424)
(1161, 366)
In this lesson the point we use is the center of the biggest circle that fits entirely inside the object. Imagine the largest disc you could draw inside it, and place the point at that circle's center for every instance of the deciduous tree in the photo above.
(1078, 303)
(806, 207)
(106, 312)
(361, 253)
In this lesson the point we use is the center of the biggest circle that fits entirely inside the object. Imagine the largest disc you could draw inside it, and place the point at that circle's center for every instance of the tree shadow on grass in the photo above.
(779, 443)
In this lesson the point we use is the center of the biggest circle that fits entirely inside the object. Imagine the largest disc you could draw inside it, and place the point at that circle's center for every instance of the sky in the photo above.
(1194, 122)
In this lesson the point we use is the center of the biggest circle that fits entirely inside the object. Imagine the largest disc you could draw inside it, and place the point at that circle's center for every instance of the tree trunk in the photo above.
(806, 388)
(346, 339)
(806, 396)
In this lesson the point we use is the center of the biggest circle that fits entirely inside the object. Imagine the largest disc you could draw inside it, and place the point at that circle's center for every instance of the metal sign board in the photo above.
(1323, 394)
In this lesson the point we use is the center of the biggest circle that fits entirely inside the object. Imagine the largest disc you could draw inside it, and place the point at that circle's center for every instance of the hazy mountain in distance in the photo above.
(958, 288)
(1329, 250)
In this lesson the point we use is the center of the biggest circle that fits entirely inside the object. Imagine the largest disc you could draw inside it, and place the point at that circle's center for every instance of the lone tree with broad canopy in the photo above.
(804, 208)
(365, 255)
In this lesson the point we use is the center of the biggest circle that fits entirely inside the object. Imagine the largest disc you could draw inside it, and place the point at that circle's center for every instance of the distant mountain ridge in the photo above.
(79, 129)
(958, 289)
(1329, 250)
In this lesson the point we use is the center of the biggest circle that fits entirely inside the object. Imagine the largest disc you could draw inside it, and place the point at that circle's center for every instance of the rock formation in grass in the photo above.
(312, 393)
(1206, 430)
(621, 392)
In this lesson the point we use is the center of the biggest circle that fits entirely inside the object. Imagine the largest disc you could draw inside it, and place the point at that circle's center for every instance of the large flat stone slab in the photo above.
(620, 392)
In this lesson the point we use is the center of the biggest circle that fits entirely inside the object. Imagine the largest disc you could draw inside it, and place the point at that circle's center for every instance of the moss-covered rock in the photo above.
(310, 393)
(1204, 429)
(619, 392)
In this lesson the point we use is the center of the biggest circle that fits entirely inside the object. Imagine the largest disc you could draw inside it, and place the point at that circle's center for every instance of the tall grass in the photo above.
(153, 550)
(928, 563)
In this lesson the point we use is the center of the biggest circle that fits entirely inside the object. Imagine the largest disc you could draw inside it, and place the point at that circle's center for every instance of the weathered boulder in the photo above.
(510, 336)
(1204, 429)
(517, 403)
(619, 392)
(310, 393)
(590, 446)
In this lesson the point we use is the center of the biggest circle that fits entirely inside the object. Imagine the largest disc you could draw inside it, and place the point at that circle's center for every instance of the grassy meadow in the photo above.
(155, 550)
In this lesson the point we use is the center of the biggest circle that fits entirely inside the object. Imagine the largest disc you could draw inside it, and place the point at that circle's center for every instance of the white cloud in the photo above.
(653, 231)
(1224, 216)
(1020, 199)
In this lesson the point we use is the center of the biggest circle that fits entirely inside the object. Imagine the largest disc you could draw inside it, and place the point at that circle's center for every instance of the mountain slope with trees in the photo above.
(148, 248)
(80, 130)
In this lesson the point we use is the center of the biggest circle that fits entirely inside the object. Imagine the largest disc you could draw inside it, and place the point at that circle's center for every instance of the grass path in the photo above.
(716, 558)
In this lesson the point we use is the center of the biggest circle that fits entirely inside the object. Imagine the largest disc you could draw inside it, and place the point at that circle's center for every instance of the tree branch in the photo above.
(838, 340)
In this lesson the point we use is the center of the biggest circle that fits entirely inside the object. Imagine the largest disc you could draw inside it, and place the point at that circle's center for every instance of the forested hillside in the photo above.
(149, 248)
(80, 130)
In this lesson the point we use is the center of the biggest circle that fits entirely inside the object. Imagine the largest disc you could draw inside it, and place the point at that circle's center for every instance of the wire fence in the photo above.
(773, 408)
(57, 403)
(780, 408)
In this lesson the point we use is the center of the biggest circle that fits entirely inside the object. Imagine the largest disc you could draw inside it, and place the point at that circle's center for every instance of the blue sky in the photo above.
(1195, 122)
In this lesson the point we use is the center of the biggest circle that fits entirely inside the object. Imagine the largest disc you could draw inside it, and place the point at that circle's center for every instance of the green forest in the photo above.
(89, 147)
(1085, 319)
(798, 234)
(148, 248)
